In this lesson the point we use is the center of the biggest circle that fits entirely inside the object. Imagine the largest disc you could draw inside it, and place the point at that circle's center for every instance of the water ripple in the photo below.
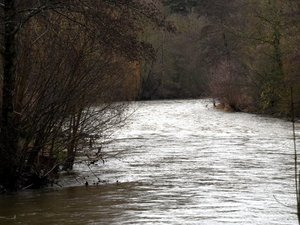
(182, 162)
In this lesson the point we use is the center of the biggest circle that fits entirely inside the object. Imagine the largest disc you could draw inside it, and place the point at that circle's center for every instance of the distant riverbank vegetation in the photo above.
(245, 53)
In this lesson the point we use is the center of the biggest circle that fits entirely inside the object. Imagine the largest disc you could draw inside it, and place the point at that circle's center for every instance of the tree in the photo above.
(180, 68)
(50, 88)
(269, 37)
(182, 7)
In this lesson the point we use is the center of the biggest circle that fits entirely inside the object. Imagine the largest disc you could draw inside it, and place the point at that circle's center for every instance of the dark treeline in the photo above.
(245, 53)
(60, 59)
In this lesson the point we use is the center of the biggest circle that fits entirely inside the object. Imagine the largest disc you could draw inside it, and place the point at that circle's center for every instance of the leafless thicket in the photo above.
(65, 65)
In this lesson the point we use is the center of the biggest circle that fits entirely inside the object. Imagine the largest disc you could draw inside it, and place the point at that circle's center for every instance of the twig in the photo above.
(25, 188)
(93, 173)
(288, 206)
(296, 159)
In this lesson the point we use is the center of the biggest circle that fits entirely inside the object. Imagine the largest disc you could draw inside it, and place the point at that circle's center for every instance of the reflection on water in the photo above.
(182, 163)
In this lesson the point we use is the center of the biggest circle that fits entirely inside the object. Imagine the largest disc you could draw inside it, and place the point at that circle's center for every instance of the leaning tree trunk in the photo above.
(9, 173)
(73, 140)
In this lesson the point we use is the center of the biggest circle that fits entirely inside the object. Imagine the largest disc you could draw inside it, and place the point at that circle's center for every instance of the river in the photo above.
(176, 162)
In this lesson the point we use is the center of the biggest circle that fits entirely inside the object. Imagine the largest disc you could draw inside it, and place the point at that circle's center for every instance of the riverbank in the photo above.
(225, 107)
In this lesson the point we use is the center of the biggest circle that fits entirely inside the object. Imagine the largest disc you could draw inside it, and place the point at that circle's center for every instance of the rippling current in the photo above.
(176, 162)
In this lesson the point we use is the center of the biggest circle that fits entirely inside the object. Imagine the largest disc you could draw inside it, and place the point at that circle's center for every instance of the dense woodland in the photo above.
(245, 53)
(69, 69)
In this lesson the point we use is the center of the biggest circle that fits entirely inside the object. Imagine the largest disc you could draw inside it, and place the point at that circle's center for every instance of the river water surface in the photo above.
(176, 162)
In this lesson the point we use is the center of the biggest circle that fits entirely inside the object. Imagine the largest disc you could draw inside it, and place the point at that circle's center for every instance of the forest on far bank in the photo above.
(245, 53)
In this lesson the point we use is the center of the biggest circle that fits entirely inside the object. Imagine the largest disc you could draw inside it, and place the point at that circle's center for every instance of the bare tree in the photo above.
(60, 60)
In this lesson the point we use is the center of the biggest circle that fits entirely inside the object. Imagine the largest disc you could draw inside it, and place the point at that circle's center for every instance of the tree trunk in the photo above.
(72, 146)
(9, 132)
